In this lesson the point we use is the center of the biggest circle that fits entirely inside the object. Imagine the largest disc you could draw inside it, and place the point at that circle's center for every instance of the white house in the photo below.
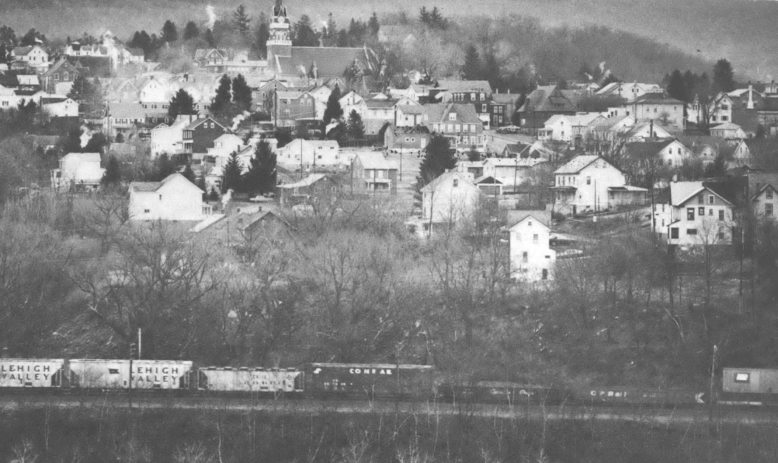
(531, 256)
(659, 108)
(174, 198)
(225, 145)
(510, 171)
(449, 200)
(764, 202)
(169, 139)
(59, 107)
(307, 154)
(699, 215)
(728, 131)
(77, 171)
(628, 91)
(33, 56)
(351, 101)
(583, 184)
(564, 127)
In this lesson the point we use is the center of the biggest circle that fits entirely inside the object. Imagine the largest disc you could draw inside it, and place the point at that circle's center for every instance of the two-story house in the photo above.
(502, 108)
(32, 56)
(671, 152)
(409, 115)
(531, 256)
(372, 173)
(765, 201)
(309, 154)
(569, 127)
(77, 172)
(459, 123)
(311, 189)
(174, 198)
(659, 108)
(701, 214)
(448, 201)
(294, 106)
(586, 183)
(544, 102)
(510, 171)
(199, 135)
(628, 91)
(169, 139)
(475, 92)
(411, 139)
(58, 79)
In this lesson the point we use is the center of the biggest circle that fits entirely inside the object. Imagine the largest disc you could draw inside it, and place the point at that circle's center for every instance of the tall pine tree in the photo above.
(723, 77)
(221, 102)
(262, 174)
(333, 109)
(113, 175)
(169, 32)
(191, 31)
(356, 128)
(439, 158)
(232, 175)
(242, 21)
(241, 93)
(471, 70)
(182, 103)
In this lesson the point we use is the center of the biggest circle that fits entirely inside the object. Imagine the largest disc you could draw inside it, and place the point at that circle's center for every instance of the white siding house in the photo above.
(174, 198)
(308, 154)
(532, 258)
(450, 199)
(700, 216)
(77, 170)
(583, 184)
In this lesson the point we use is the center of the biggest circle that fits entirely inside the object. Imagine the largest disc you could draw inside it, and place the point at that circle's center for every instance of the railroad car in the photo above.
(251, 380)
(656, 397)
(371, 380)
(507, 393)
(748, 386)
(116, 374)
(31, 373)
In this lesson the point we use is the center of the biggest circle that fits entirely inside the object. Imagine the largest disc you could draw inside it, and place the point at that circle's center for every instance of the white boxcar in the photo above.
(250, 380)
(115, 374)
(31, 372)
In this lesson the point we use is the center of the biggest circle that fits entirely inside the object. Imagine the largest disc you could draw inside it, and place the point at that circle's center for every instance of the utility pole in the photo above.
(133, 353)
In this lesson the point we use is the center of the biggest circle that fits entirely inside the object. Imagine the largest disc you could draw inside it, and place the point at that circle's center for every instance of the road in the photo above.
(700, 415)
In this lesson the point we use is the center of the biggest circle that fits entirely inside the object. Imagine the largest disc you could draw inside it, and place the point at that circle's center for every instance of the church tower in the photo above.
(280, 42)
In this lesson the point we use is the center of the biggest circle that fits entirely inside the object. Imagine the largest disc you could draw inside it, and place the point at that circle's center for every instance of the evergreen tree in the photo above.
(424, 15)
(163, 167)
(242, 21)
(356, 128)
(342, 38)
(7, 36)
(241, 93)
(81, 90)
(189, 174)
(32, 37)
(210, 39)
(332, 27)
(717, 168)
(232, 175)
(113, 175)
(213, 195)
(304, 35)
(262, 36)
(373, 25)
(676, 87)
(96, 144)
(169, 32)
(72, 143)
(492, 71)
(723, 77)
(333, 109)
(262, 174)
(438, 158)
(141, 40)
(182, 103)
(119, 138)
(471, 70)
(221, 102)
(191, 31)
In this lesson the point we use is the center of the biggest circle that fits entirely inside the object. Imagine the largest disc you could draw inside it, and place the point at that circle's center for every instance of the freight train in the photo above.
(352, 381)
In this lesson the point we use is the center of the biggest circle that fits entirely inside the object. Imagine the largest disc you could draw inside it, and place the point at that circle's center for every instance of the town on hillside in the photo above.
(294, 190)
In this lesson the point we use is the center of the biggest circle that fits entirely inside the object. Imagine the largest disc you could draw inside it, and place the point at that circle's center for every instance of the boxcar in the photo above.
(752, 386)
(500, 392)
(256, 380)
(31, 373)
(115, 374)
(371, 380)
(658, 397)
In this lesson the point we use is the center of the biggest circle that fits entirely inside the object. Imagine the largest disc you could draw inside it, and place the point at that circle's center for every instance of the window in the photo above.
(710, 212)
(56, 76)
(456, 182)
(721, 236)
(701, 212)
(483, 108)
(691, 231)
(160, 197)
(700, 199)
(724, 118)
(674, 233)
(689, 213)
(768, 209)
(452, 116)
(721, 214)
(710, 199)
(535, 238)
(146, 211)
(65, 76)
(742, 377)
(524, 257)
(588, 180)
(769, 193)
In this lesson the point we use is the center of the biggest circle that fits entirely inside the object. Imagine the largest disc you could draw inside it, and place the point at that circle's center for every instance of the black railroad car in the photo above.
(500, 392)
(366, 380)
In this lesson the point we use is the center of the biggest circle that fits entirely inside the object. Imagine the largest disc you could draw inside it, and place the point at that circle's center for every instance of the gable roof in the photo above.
(548, 98)
(330, 61)
(681, 192)
(461, 86)
(28, 79)
(307, 181)
(440, 113)
(126, 111)
(61, 65)
(726, 126)
(505, 98)
(646, 149)
(762, 189)
(84, 157)
(530, 216)
(656, 98)
(24, 51)
(444, 177)
(578, 163)
(375, 160)
(145, 187)
(198, 122)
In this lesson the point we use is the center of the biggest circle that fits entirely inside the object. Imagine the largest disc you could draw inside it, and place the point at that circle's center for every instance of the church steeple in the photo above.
(280, 41)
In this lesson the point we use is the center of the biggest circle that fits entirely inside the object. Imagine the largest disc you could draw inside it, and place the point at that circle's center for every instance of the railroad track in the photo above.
(665, 416)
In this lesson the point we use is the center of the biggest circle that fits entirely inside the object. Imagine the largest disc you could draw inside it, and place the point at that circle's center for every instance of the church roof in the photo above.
(330, 61)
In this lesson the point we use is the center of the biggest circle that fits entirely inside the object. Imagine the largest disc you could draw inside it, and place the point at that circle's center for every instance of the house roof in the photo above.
(577, 164)
(762, 189)
(373, 103)
(142, 187)
(657, 98)
(461, 86)
(646, 149)
(198, 122)
(659, 131)
(726, 126)
(505, 98)
(628, 188)
(31, 79)
(487, 180)
(127, 111)
(531, 215)
(680, 192)
(440, 113)
(24, 51)
(548, 98)
(62, 65)
(412, 109)
(375, 160)
(608, 123)
(307, 181)
(85, 157)
(433, 185)
(136, 51)
(514, 162)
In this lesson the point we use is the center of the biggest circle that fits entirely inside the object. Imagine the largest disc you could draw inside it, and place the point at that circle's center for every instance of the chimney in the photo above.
(750, 104)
